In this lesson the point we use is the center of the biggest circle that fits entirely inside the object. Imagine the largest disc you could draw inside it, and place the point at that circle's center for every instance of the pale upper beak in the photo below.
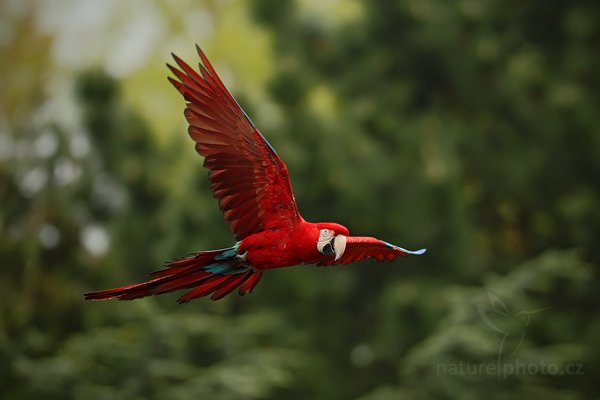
(339, 246)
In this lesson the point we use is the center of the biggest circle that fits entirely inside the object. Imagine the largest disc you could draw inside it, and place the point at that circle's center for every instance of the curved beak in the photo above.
(339, 246)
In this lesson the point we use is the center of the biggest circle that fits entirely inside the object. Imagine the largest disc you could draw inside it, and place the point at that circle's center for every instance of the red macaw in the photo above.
(253, 188)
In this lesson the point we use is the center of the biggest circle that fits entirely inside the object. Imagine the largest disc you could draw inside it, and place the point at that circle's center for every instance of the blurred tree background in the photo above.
(469, 127)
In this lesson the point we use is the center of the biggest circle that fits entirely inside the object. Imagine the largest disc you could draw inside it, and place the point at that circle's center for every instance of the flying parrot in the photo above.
(253, 188)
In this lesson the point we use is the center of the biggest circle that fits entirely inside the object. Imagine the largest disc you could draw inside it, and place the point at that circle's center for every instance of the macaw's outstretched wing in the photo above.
(362, 248)
(247, 176)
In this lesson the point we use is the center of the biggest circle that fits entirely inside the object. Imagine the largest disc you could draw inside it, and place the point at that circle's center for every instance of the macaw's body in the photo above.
(252, 186)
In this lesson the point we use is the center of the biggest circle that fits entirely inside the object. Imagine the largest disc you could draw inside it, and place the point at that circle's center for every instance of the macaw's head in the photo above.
(332, 239)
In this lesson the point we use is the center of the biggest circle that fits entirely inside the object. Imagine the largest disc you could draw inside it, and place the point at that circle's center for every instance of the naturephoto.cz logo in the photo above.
(506, 369)
(511, 329)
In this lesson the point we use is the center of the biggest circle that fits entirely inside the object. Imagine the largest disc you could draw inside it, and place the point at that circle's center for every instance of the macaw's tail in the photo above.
(215, 272)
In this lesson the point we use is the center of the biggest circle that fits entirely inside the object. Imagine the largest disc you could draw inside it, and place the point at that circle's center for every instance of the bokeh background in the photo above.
(467, 127)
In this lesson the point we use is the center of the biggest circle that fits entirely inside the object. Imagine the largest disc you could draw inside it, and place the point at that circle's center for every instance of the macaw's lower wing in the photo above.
(361, 248)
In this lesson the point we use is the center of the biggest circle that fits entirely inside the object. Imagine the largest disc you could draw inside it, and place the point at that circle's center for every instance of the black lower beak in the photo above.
(329, 248)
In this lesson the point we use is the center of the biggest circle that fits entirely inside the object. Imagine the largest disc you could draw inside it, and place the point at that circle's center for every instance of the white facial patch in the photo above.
(324, 238)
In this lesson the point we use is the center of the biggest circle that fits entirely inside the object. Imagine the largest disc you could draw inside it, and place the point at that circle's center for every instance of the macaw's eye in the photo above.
(329, 248)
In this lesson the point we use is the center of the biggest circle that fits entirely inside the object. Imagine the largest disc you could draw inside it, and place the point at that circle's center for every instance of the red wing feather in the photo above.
(248, 178)
(250, 283)
(362, 248)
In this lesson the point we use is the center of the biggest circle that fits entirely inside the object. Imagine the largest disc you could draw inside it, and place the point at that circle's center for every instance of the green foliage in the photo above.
(469, 128)
(174, 356)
